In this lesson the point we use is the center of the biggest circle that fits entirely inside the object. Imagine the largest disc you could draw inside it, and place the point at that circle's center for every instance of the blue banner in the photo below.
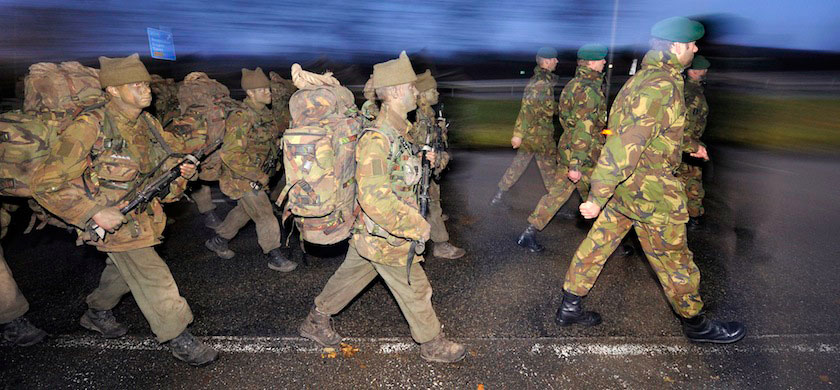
(161, 44)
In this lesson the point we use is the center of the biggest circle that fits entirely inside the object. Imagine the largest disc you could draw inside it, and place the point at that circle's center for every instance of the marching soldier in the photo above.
(691, 169)
(249, 154)
(387, 174)
(583, 115)
(635, 186)
(99, 163)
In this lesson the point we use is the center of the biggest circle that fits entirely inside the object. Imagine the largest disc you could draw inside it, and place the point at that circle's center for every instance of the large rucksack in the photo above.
(319, 162)
(281, 92)
(165, 92)
(67, 86)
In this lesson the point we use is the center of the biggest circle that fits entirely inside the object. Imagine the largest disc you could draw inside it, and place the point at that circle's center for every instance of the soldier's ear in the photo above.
(113, 91)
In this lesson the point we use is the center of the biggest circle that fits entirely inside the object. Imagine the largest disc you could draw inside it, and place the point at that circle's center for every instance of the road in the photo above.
(767, 257)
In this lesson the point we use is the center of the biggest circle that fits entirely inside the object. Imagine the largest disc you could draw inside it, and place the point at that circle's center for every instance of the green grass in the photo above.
(790, 123)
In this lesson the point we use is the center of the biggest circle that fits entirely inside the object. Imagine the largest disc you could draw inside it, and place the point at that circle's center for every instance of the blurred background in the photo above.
(774, 81)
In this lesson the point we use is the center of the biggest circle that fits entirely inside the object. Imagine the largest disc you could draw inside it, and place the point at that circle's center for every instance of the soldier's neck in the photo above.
(128, 111)
(254, 104)
(396, 116)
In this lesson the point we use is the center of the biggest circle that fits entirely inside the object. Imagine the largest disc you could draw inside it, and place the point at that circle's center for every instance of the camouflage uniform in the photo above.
(390, 218)
(423, 125)
(635, 186)
(534, 125)
(252, 137)
(100, 159)
(690, 172)
(12, 302)
(369, 111)
(583, 115)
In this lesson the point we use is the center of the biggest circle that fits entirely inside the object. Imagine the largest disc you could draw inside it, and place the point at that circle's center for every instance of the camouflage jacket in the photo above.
(534, 123)
(583, 115)
(637, 165)
(424, 123)
(369, 113)
(695, 117)
(387, 172)
(101, 158)
(251, 138)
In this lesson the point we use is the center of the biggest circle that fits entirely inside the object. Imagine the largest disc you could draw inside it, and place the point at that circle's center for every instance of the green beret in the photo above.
(699, 63)
(124, 70)
(547, 52)
(678, 29)
(592, 52)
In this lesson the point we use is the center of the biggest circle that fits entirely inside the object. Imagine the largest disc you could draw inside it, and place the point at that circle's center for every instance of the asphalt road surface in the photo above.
(768, 256)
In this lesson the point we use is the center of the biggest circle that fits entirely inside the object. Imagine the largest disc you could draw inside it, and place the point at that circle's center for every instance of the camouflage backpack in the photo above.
(165, 92)
(67, 86)
(281, 92)
(199, 94)
(319, 158)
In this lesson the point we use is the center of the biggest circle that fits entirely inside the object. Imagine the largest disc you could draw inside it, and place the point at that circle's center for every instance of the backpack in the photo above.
(319, 158)
(281, 92)
(61, 87)
(201, 94)
(165, 92)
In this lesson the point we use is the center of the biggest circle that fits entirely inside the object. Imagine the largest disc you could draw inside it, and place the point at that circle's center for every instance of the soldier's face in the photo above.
(597, 66)
(548, 64)
(137, 95)
(697, 74)
(260, 95)
(432, 96)
(685, 51)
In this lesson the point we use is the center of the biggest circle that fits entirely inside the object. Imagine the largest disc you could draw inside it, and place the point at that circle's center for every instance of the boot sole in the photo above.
(224, 256)
(530, 249)
(40, 337)
(87, 324)
(309, 336)
(281, 269)
(199, 364)
(718, 341)
(433, 360)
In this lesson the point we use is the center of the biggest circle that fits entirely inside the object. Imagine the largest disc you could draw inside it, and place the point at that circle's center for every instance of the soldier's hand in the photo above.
(431, 156)
(515, 142)
(187, 170)
(574, 176)
(589, 210)
(109, 218)
(701, 153)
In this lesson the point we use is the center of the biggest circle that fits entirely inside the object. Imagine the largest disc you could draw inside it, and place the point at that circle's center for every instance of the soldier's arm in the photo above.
(585, 113)
(233, 148)
(528, 109)
(375, 195)
(56, 184)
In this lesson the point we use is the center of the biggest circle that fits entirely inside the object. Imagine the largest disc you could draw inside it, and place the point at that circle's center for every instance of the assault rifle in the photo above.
(157, 188)
(419, 247)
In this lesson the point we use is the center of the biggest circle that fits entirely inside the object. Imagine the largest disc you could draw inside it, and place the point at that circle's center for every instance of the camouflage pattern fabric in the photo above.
(583, 115)
(166, 97)
(423, 125)
(390, 216)
(665, 248)
(690, 171)
(25, 140)
(547, 164)
(100, 158)
(692, 178)
(369, 111)
(534, 123)
(252, 137)
(191, 127)
(281, 92)
(61, 87)
(198, 92)
(636, 167)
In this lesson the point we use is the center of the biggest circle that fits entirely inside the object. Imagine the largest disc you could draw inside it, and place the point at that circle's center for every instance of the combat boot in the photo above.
(528, 240)
(218, 245)
(441, 350)
(22, 333)
(703, 330)
(497, 199)
(571, 312)
(211, 220)
(445, 250)
(189, 349)
(103, 321)
(278, 262)
(318, 327)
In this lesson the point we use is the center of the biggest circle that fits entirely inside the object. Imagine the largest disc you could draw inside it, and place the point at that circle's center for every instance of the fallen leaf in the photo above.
(668, 379)
(480, 387)
(824, 379)
(348, 350)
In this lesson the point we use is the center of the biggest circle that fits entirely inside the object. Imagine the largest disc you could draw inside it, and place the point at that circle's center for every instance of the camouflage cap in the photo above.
(122, 70)
(253, 79)
(678, 29)
(394, 72)
(425, 81)
(700, 63)
(547, 52)
(592, 52)
(309, 106)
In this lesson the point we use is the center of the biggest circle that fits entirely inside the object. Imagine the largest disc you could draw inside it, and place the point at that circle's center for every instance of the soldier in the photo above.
(533, 133)
(99, 162)
(424, 125)
(249, 154)
(691, 170)
(635, 186)
(387, 175)
(583, 115)
(369, 110)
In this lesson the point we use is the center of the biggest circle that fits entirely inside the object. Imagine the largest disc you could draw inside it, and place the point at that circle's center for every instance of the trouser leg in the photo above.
(415, 300)
(203, 199)
(558, 193)
(235, 220)
(110, 290)
(667, 252)
(599, 244)
(258, 207)
(153, 288)
(438, 232)
(12, 302)
(547, 163)
(517, 167)
(351, 277)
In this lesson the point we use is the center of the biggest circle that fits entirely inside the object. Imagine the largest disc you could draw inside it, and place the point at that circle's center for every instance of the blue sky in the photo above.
(48, 29)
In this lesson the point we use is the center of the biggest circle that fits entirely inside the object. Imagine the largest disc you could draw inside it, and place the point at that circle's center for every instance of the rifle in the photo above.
(419, 246)
(158, 187)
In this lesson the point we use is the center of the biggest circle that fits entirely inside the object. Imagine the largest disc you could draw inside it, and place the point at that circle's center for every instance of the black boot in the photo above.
(187, 348)
(497, 199)
(703, 330)
(571, 312)
(211, 220)
(528, 240)
(22, 333)
(103, 321)
(278, 262)
(218, 245)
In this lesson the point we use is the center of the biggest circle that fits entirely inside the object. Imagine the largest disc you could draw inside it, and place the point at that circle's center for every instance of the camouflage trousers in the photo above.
(692, 178)
(665, 248)
(12, 302)
(143, 273)
(435, 218)
(547, 163)
(253, 206)
(203, 199)
(558, 193)
(415, 299)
